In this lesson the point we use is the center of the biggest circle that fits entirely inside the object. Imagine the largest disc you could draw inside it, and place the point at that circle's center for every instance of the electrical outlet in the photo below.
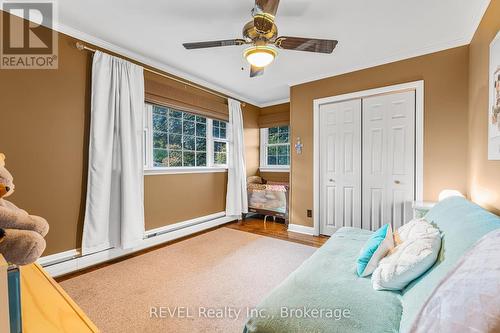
(309, 213)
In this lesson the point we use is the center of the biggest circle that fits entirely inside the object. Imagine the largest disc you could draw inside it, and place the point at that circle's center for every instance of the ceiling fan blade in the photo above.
(306, 44)
(215, 43)
(256, 71)
(266, 7)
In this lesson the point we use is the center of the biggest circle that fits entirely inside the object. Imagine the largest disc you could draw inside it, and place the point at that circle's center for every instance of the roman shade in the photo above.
(276, 115)
(162, 91)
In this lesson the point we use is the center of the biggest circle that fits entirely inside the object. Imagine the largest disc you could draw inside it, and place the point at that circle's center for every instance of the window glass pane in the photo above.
(283, 129)
(273, 130)
(189, 158)
(201, 129)
(188, 127)
(160, 157)
(175, 141)
(160, 110)
(159, 122)
(219, 129)
(175, 114)
(283, 150)
(180, 139)
(189, 116)
(273, 150)
(201, 159)
(278, 135)
(215, 132)
(219, 147)
(282, 160)
(273, 135)
(201, 144)
(189, 142)
(159, 139)
(283, 138)
(175, 159)
(271, 160)
(175, 125)
(220, 158)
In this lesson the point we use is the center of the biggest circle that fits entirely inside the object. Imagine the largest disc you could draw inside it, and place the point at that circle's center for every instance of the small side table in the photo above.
(420, 208)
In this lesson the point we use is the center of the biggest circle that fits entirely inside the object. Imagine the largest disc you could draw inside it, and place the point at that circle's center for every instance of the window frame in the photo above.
(264, 167)
(213, 140)
(148, 165)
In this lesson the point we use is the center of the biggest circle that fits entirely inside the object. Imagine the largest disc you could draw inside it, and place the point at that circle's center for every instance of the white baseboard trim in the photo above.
(58, 257)
(184, 224)
(301, 229)
(70, 261)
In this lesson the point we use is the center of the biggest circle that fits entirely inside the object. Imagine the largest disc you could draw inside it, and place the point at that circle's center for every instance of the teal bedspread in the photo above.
(326, 295)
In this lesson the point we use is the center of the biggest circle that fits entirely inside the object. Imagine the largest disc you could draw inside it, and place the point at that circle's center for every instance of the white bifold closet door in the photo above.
(340, 169)
(388, 159)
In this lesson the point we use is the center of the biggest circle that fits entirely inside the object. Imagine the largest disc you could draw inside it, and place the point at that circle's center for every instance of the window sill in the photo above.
(178, 171)
(275, 169)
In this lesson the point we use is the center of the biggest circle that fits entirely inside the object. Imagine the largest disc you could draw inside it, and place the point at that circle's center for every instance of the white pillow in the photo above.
(418, 251)
(413, 229)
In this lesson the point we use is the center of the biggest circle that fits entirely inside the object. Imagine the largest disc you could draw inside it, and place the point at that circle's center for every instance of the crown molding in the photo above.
(384, 61)
(90, 39)
(275, 102)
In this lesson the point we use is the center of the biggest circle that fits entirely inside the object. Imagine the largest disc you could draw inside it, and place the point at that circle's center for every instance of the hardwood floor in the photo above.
(275, 230)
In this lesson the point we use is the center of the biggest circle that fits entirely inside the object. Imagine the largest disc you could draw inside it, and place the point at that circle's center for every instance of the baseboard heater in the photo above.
(59, 264)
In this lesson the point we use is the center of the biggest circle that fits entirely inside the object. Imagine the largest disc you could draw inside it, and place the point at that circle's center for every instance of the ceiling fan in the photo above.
(261, 33)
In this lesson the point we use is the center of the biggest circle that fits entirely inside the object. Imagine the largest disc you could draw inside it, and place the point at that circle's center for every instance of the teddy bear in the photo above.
(21, 235)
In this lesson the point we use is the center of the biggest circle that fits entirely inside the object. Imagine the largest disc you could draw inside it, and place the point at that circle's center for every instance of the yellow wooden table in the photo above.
(46, 308)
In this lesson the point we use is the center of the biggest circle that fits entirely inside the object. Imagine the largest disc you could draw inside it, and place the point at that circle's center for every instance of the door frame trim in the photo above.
(418, 87)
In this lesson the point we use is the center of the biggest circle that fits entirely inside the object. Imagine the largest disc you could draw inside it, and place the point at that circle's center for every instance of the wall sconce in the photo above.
(299, 146)
(449, 193)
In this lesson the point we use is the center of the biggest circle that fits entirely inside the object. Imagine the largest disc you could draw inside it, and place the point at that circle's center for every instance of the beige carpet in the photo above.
(221, 268)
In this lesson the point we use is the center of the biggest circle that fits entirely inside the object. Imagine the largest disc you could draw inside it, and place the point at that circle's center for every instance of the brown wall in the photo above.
(445, 140)
(175, 198)
(46, 115)
(45, 118)
(252, 138)
(484, 183)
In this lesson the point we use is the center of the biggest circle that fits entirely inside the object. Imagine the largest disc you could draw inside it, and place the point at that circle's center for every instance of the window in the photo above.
(219, 133)
(176, 140)
(275, 149)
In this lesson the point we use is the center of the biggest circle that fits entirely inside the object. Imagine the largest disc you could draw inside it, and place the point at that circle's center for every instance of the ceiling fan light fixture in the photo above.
(260, 56)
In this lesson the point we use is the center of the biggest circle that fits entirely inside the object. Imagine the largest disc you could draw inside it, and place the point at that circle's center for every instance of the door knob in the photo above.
(332, 180)
(397, 182)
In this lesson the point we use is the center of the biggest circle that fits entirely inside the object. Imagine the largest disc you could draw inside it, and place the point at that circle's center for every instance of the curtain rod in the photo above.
(80, 46)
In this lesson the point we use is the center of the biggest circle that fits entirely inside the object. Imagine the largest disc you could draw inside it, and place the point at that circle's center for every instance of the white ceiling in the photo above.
(369, 33)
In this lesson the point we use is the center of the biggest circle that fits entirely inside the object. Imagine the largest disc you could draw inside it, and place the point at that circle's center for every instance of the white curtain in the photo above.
(114, 215)
(236, 199)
